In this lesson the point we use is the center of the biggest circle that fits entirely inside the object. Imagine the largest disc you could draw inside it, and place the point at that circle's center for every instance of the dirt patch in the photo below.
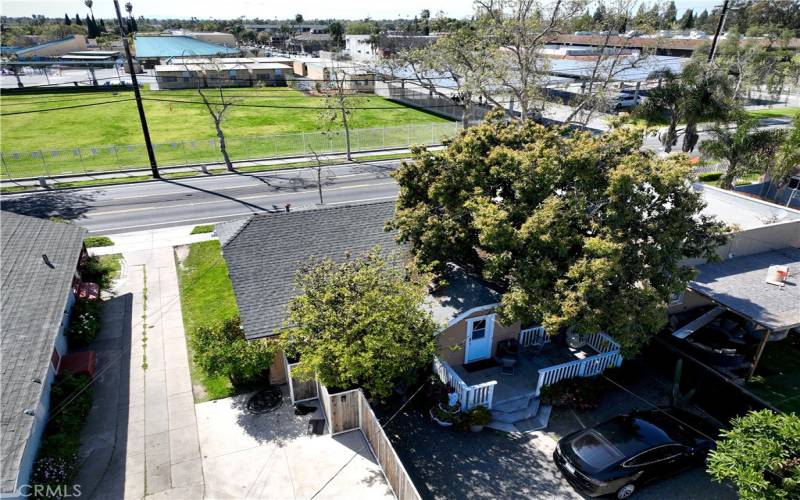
(181, 253)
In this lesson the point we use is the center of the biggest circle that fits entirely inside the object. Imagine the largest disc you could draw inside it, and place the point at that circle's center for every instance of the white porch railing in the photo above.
(533, 336)
(608, 356)
(469, 396)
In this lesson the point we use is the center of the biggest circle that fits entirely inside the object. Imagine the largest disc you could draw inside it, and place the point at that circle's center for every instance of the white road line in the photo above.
(251, 212)
(242, 198)
(238, 186)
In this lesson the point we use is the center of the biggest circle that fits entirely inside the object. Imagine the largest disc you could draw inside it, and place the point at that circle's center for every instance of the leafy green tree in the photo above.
(743, 148)
(702, 19)
(67, 20)
(336, 30)
(687, 20)
(700, 93)
(359, 323)
(581, 232)
(78, 20)
(670, 13)
(760, 454)
(787, 158)
(222, 349)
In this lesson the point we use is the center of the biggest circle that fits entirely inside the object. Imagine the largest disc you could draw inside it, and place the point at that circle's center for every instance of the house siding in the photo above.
(451, 342)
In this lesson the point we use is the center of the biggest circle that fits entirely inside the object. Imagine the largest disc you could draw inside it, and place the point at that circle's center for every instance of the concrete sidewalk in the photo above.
(152, 239)
(143, 423)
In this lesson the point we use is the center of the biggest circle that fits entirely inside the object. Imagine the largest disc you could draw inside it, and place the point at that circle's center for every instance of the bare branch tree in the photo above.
(341, 100)
(212, 75)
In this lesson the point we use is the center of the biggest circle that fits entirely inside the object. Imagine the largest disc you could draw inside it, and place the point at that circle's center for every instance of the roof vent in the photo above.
(47, 261)
(30, 413)
(36, 380)
(776, 275)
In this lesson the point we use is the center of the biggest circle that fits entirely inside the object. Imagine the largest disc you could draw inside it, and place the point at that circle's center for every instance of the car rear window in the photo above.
(593, 450)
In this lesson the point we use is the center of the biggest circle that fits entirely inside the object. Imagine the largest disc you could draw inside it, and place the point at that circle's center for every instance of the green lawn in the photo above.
(81, 139)
(774, 112)
(778, 374)
(206, 297)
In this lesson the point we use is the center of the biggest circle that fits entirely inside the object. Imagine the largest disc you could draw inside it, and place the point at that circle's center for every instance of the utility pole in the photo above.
(716, 33)
(150, 154)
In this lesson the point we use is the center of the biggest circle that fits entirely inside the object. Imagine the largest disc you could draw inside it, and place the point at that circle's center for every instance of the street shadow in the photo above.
(252, 206)
(69, 205)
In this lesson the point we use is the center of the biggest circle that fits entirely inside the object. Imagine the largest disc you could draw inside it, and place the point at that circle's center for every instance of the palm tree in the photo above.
(743, 148)
(129, 8)
(89, 4)
(700, 93)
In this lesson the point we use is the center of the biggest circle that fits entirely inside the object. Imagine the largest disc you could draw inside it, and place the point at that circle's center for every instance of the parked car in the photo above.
(619, 455)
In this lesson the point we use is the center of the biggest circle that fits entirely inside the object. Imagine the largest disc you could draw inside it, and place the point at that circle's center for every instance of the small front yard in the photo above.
(777, 379)
(206, 298)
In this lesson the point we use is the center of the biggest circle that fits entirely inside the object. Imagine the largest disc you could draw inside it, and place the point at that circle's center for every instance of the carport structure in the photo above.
(740, 285)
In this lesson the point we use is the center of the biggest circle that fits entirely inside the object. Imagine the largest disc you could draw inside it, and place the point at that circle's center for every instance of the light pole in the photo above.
(149, 145)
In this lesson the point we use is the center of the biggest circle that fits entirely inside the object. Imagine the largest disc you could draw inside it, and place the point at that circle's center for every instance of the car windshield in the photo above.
(595, 451)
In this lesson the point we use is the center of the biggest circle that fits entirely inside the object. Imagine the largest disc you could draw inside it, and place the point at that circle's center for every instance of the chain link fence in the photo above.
(48, 163)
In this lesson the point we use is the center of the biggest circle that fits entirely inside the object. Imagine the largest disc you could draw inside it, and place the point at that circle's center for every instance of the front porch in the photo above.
(523, 381)
(513, 395)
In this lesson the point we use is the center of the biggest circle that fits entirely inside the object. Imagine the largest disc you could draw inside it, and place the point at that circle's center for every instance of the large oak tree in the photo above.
(581, 231)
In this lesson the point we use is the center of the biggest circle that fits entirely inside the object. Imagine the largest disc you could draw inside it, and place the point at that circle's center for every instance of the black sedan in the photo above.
(619, 455)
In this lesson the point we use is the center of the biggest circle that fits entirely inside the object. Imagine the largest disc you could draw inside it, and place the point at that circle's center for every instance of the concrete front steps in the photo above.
(520, 414)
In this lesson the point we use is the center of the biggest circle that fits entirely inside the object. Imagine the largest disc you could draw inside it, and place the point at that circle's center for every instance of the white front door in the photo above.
(479, 338)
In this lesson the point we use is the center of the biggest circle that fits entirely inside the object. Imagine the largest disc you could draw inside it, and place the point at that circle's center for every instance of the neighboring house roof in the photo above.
(312, 37)
(460, 295)
(739, 284)
(744, 211)
(263, 252)
(32, 308)
(177, 46)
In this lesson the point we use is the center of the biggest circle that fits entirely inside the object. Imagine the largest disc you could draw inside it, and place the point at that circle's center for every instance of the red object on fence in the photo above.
(89, 291)
(78, 363)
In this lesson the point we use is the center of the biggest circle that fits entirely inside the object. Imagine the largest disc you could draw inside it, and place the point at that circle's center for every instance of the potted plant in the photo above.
(443, 415)
(478, 418)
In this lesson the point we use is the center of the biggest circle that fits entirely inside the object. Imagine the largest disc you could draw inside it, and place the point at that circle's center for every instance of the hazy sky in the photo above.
(268, 9)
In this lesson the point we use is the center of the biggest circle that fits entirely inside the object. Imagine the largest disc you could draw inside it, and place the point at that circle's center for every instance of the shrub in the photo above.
(100, 269)
(70, 402)
(709, 176)
(222, 349)
(761, 455)
(98, 241)
(205, 228)
(580, 393)
(84, 323)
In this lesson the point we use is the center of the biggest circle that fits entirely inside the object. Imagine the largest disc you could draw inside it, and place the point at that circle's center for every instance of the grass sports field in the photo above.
(82, 138)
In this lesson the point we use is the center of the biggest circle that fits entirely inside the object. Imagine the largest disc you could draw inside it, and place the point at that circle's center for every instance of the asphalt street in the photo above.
(166, 203)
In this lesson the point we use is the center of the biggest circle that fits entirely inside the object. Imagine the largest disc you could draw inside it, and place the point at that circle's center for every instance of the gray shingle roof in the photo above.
(32, 308)
(263, 253)
(461, 293)
(739, 284)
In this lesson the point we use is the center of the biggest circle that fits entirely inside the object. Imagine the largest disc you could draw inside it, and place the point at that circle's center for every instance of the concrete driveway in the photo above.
(271, 456)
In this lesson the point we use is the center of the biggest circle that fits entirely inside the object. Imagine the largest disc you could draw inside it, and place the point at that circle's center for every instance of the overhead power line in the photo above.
(87, 105)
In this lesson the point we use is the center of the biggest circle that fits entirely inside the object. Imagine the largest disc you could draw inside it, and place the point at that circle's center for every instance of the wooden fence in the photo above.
(300, 390)
(382, 449)
(341, 409)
